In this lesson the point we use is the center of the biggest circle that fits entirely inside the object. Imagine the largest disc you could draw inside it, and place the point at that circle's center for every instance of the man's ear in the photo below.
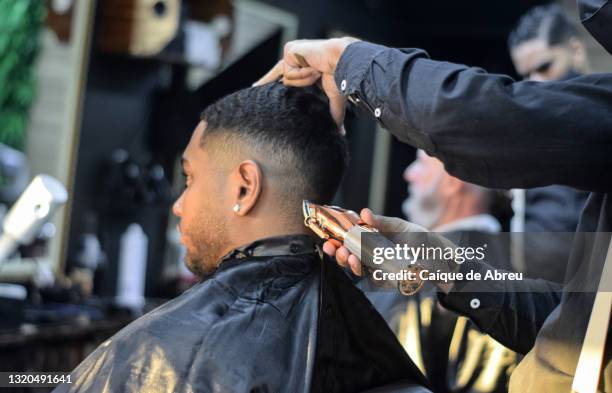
(579, 55)
(248, 182)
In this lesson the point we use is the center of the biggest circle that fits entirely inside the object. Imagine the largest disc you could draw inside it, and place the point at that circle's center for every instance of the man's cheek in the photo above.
(189, 243)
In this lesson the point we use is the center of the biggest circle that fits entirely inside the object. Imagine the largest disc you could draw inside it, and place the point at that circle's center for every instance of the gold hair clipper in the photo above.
(345, 226)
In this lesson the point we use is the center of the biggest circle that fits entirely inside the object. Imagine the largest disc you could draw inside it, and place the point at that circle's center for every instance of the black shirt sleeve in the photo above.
(487, 129)
(512, 312)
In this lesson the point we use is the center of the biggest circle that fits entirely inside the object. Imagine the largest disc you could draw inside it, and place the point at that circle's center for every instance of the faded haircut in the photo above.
(290, 133)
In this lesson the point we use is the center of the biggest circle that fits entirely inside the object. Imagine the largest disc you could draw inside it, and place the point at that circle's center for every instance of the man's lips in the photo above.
(178, 229)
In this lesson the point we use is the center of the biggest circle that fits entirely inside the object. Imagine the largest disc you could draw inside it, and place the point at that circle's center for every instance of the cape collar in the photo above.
(275, 246)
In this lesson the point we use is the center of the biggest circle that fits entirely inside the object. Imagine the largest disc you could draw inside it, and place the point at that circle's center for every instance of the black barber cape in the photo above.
(490, 130)
(273, 318)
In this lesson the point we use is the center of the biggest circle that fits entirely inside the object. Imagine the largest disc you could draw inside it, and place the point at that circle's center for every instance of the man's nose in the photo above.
(177, 208)
(537, 77)
(409, 173)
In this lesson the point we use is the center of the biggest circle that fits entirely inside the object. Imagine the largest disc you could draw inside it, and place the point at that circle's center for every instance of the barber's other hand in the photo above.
(382, 223)
(305, 62)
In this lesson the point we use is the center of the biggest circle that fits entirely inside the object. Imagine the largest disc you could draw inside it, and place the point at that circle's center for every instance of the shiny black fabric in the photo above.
(596, 17)
(272, 318)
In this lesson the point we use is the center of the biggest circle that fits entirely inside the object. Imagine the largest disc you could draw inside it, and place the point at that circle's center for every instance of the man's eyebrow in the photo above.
(543, 66)
(539, 68)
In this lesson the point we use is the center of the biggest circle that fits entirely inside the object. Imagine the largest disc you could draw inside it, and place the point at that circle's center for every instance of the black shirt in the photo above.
(493, 131)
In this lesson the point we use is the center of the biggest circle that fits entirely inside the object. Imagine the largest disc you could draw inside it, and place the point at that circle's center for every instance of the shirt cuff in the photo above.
(371, 77)
(481, 300)
(353, 64)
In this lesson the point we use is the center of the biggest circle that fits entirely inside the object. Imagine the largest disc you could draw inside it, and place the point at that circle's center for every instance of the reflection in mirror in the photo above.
(40, 105)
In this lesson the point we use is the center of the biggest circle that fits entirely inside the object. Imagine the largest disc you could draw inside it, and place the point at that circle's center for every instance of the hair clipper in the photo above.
(345, 227)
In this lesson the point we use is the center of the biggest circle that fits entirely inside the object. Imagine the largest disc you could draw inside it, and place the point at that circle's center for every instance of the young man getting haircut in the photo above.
(270, 314)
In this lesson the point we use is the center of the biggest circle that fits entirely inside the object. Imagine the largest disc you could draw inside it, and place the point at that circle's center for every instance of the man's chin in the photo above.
(198, 267)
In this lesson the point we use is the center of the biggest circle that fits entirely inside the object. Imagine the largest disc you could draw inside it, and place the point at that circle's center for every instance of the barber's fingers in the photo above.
(273, 75)
(389, 224)
(329, 248)
(337, 107)
(292, 66)
(354, 264)
(383, 223)
(298, 73)
(343, 256)
(302, 53)
(335, 249)
(318, 54)
(308, 77)
(369, 217)
(337, 102)
(291, 76)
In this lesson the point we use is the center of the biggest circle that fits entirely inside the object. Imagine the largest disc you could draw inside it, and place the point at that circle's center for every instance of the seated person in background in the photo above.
(441, 202)
(453, 353)
(271, 314)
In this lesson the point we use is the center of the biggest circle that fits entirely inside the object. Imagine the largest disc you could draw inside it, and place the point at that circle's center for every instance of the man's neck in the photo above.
(481, 222)
(270, 230)
(261, 229)
(458, 211)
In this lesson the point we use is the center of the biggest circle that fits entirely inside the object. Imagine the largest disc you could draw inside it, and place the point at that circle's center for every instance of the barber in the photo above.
(493, 131)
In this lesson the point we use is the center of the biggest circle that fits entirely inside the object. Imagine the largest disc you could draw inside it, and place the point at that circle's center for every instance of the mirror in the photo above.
(53, 121)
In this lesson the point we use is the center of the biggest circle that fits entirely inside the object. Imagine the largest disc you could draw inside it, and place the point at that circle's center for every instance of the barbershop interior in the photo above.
(98, 103)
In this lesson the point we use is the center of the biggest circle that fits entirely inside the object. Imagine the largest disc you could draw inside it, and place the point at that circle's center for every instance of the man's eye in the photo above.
(544, 67)
(186, 179)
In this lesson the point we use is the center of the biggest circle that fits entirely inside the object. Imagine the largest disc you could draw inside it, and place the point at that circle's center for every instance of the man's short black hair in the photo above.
(292, 133)
(547, 22)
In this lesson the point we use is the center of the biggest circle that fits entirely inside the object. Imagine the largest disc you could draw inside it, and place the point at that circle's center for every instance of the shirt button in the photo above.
(377, 112)
(475, 303)
(343, 85)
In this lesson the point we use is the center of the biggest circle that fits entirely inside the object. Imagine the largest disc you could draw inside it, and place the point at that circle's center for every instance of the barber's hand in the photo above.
(393, 225)
(382, 223)
(305, 62)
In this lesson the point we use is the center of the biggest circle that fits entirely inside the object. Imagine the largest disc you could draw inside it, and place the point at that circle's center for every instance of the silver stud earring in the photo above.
(236, 208)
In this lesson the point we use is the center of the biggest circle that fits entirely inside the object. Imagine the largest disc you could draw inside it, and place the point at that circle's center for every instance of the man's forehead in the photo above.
(193, 148)
(430, 162)
(196, 137)
(422, 155)
(530, 54)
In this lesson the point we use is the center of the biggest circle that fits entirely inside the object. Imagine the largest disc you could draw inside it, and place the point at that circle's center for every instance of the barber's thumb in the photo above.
(388, 224)
(379, 222)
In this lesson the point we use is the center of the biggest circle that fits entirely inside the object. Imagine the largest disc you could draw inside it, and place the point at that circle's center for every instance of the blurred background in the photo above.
(103, 96)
